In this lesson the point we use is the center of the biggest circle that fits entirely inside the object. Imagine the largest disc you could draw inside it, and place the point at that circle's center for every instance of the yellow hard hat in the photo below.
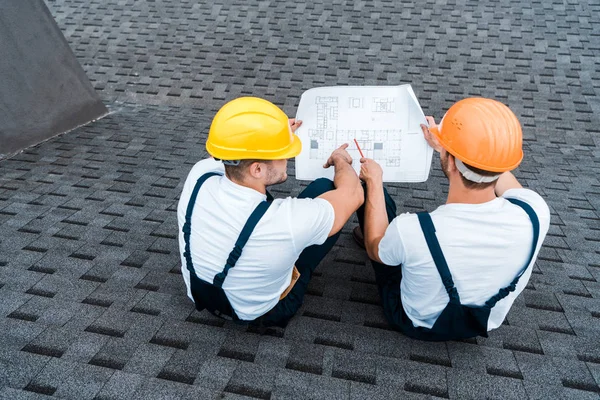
(251, 128)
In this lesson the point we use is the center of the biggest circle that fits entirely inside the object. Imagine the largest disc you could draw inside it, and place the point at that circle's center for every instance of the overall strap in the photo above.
(438, 256)
(235, 254)
(536, 234)
(187, 226)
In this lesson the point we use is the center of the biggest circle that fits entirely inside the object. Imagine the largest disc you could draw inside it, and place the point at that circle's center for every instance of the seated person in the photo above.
(455, 272)
(241, 250)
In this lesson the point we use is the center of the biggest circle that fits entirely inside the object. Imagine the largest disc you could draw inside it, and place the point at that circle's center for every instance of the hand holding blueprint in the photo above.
(385, 120)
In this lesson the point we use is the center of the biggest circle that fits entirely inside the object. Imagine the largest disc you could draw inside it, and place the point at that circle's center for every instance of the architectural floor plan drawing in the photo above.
(385, 121)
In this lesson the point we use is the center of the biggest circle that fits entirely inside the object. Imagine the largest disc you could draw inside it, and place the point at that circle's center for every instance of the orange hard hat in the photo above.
(482, 133)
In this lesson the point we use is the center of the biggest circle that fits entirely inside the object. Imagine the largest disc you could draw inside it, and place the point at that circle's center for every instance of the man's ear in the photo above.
(451, 164)
(256, 170)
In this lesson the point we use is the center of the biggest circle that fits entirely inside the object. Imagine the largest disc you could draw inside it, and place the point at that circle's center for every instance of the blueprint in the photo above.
(384, 120)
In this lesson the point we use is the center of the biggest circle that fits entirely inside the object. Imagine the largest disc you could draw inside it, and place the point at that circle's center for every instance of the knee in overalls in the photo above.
(320, 186)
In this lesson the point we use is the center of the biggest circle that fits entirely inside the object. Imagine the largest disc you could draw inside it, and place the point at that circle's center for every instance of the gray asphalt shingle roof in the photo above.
(92, 302)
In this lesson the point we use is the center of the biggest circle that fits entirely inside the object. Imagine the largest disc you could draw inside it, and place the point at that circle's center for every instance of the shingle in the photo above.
(382, 342)
(11, 301)
(322, 308)
(414, 377)
(53, 341)
(159, 388)
(252, 380)
(240, 346)
(19, 368)
(360, 390)
(465, 385)
(16, 333)
(201, 332)
(148, 359)
(120, 386)
(72, 380)
(559, 344)
(85, 347)
(579, 394)
(17, 281)
(272, 352)
(306, 358)
(354, 366)
(126, 277)
(515, 338)
(539, 391)
(431, 353)
(68, 289)
(83, 382)
(7, 393)
(115, 353)
(576, 375)
(216, 372)
(538, 369)
(175, 307)
(185, 364)
(295, 384)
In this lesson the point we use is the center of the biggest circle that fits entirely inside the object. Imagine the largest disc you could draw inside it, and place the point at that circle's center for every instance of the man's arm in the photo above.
(376, 219)
(348, 194)
(506, 181)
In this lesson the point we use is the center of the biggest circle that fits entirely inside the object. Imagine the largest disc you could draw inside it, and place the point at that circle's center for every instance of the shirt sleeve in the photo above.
(391, 247)
(311, 220)
(535, 201)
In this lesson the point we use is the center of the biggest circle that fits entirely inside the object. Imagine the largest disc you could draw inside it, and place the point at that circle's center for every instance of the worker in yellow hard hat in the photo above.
(246, 256)
(455, 272)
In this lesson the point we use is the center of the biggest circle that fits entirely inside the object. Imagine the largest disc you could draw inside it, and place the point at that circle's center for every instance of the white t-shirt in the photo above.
(485, 245)
(264, 269)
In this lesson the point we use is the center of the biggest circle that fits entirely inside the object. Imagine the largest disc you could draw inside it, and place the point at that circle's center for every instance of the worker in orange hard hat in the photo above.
(246, 256)
(455, 272)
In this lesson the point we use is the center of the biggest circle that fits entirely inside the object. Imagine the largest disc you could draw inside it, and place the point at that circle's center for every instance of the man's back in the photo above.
(485, 245)
(264, 269)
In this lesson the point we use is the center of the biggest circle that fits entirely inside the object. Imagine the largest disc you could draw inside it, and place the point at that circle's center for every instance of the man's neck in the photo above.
(256, 185)
(458, 193)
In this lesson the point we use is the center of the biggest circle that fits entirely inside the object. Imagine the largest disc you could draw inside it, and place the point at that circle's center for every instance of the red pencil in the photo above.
(359, 150)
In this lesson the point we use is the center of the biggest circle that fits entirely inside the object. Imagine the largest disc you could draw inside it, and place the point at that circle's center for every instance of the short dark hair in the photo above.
(474, 185)
(237, 172)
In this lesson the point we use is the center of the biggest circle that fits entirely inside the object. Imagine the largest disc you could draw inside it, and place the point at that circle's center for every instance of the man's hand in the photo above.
(339, 154)
(370, 171)
(431, 139)
(348, 194)
(294, 124)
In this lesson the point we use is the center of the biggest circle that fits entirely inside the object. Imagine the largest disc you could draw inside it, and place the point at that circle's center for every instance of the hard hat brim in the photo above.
(295, 147)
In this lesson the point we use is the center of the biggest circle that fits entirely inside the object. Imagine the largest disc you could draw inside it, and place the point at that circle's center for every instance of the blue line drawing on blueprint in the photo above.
(384, 104)
(356, 102)
(323, 139)
(382, 145)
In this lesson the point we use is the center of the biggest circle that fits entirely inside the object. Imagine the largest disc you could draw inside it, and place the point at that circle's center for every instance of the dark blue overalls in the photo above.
(212, 297)
(457, 321)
